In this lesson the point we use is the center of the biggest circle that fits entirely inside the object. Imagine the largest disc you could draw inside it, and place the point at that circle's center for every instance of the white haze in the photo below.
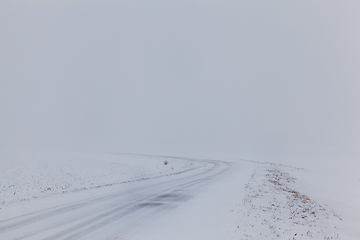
(262, 80)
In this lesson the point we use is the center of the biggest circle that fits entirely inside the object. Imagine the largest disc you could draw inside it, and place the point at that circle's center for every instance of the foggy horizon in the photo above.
(258, 80)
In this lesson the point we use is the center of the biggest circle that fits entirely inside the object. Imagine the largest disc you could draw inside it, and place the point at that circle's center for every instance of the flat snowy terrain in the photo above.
(24, 177)
(74, 195)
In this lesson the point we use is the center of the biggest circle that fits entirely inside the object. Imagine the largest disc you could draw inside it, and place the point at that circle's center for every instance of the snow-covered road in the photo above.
(110, 212)
(75, 195)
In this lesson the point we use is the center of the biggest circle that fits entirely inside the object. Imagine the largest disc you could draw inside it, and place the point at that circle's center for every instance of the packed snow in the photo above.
(241, 200)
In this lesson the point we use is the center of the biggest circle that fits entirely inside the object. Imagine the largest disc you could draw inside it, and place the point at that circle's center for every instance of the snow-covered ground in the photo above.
(264, 201)
(26, 176)
(62, 195)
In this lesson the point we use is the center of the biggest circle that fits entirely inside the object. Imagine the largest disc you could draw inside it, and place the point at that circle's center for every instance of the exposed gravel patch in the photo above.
(274, 209)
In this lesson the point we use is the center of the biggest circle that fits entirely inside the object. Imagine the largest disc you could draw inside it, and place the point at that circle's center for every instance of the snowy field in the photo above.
(74, 195)
(28, 176)
(248, 112)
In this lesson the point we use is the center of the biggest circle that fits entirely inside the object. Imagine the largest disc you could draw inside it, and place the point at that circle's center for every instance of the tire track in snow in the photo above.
(106, 209)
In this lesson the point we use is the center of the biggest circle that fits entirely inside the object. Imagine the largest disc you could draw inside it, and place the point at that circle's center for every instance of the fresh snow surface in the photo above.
(27, 176)
(62, 195)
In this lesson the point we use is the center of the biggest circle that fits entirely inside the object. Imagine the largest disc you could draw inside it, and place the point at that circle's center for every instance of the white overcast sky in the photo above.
(246, 79)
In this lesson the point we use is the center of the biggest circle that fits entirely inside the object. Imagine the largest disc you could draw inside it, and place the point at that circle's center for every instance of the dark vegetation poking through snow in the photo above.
(273, 209)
